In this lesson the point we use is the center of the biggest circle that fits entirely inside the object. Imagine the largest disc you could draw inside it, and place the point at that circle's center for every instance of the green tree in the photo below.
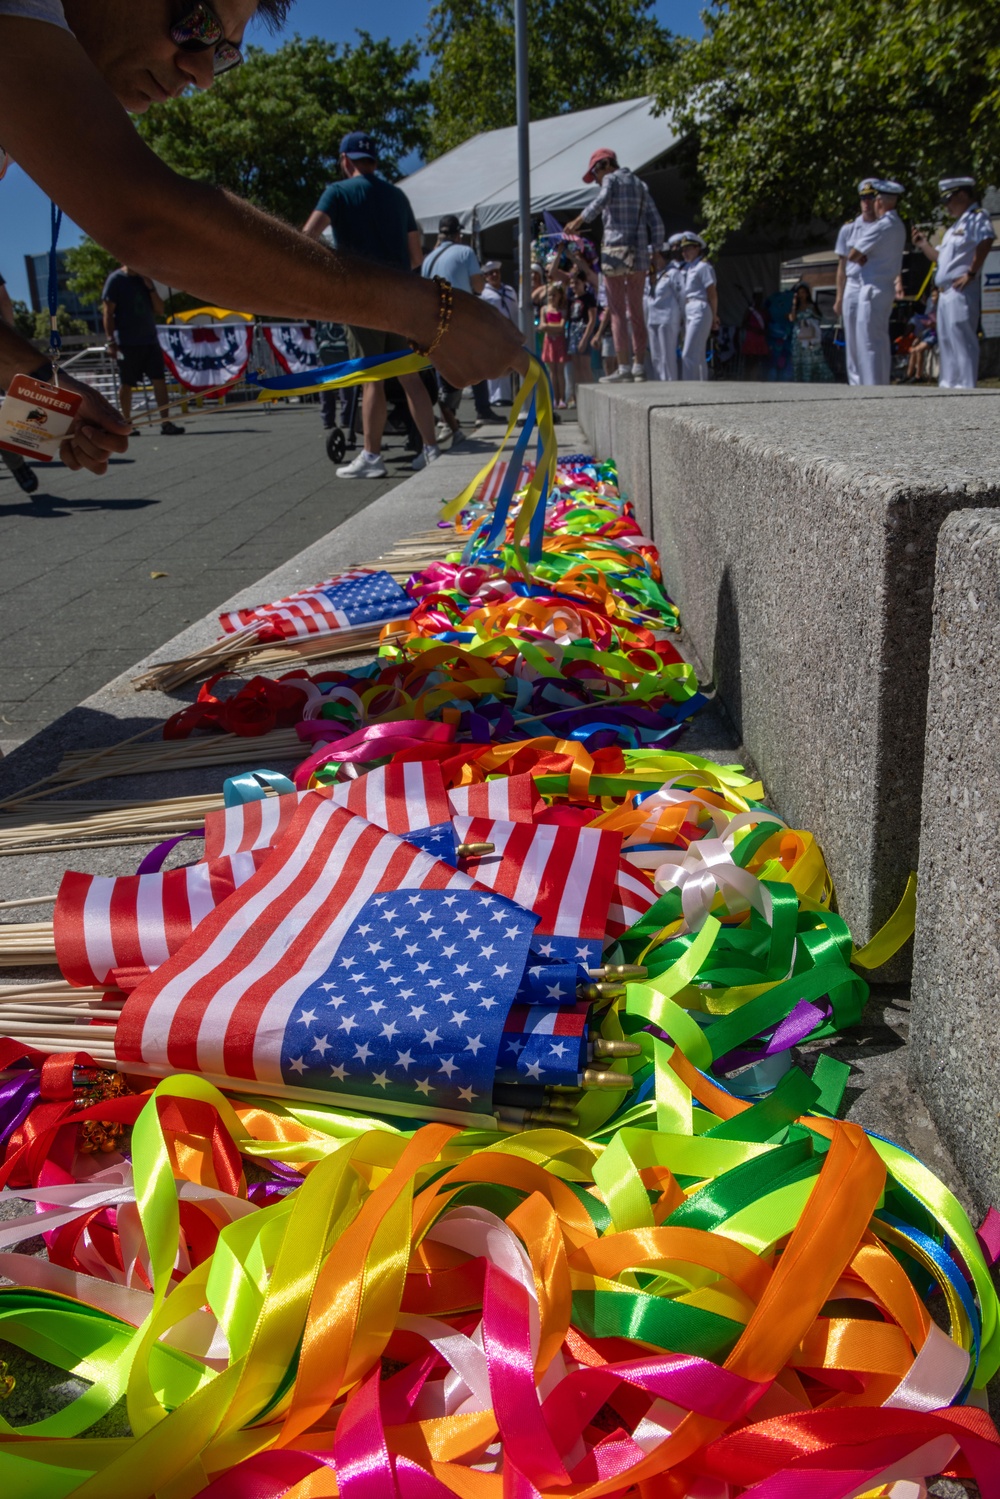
(37, 325)
(270, 130)
(790, 102)
(24, 319)
(581, 53)
(88, 267)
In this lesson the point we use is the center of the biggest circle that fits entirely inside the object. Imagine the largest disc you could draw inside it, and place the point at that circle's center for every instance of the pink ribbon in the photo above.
(374, 742)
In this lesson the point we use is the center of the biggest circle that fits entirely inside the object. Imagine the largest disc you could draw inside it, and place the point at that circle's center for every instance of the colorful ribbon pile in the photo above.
(728, 1301)
(711, 1289)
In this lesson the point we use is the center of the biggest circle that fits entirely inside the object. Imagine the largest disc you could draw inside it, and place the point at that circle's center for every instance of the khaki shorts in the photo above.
(362, 343)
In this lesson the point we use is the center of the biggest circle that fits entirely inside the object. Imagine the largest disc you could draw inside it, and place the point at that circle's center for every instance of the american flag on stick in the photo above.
(566, 875)
(351, 963)
(493, 482)
(132, 923)
(398, 797)
(357, 597)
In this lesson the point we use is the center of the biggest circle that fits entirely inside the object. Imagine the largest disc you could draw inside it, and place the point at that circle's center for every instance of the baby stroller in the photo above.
(331, 342)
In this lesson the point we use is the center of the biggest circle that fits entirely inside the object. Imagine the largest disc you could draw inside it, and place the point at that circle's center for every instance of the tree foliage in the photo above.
(791, 102)
(88, 266)
(269, 130)
(581, 53)
(24, 319)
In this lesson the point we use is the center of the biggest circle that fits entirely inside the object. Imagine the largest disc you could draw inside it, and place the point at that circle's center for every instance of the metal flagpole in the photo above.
(523, 166)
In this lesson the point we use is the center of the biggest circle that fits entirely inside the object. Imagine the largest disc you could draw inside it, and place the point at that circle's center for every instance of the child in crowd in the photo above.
(554, 353)
(924, 337)
(580, 324)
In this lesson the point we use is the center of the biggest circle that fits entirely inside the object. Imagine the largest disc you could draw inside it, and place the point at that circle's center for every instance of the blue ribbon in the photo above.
(55, 337)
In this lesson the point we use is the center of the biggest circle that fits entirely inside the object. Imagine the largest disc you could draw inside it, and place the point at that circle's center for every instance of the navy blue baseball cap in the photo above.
(359, 147)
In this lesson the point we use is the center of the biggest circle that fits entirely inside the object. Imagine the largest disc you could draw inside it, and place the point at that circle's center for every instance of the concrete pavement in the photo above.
(214, 510)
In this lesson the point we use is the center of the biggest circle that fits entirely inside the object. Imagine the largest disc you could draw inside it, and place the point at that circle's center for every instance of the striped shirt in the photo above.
(628, 214)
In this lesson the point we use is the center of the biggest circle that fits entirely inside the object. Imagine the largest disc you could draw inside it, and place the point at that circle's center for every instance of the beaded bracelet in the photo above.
(446, 302)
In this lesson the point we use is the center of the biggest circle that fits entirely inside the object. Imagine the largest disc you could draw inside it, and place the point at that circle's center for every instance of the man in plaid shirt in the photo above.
(630, 222)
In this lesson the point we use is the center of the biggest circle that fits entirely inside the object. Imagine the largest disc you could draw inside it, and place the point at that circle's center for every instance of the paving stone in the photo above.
(215, 509)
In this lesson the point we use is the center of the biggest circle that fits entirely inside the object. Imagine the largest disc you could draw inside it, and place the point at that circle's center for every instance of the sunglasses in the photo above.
(200, 29)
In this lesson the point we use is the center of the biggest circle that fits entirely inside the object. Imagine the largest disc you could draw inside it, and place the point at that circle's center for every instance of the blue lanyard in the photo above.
(55, 338)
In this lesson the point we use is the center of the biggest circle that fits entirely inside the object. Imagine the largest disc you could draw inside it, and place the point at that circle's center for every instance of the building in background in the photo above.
(37, 269)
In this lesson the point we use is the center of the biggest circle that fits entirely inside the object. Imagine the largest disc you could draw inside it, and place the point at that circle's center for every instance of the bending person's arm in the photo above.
(199, 238)
(99, 430)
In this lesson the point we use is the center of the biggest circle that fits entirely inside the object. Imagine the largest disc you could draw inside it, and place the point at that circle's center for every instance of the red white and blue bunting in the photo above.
(293, 346)
(207, 357)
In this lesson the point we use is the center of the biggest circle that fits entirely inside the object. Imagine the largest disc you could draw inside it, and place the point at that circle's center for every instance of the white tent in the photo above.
(477, 181)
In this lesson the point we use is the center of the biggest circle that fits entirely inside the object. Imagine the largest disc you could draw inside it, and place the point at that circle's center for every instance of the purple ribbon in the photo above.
(18, 1096)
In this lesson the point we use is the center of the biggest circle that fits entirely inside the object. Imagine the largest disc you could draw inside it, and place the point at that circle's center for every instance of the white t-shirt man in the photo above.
(457, 263)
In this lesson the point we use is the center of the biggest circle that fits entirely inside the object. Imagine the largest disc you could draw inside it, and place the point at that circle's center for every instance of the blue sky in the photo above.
(24, 210)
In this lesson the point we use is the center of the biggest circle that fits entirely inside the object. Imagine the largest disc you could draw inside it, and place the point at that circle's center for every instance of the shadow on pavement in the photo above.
(53, 507)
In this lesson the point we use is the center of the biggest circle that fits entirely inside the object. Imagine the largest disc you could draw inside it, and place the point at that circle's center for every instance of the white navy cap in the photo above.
(867, 187)
(674, 242)
(690, 238)
(491, 265)
(949, 185)
(886, 185)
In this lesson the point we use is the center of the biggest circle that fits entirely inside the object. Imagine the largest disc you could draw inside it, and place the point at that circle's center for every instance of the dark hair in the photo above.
(273, 13)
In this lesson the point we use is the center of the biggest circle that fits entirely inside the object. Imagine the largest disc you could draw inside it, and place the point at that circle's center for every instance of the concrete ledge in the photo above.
(616, 418)
(798, 538)
(955, 1055)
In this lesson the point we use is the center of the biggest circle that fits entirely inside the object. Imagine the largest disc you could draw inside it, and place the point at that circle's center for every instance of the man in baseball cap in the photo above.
(602, 161)
(630, 224)
(372, 218)
(960, 258)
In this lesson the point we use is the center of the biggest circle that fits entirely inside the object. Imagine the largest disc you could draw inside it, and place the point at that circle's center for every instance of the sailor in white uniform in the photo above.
(878, 249)
(701, 306)
(959, 257)
(662, 305)
(849, 277)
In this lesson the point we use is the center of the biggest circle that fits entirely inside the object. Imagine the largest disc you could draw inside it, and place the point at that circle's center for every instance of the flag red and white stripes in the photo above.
(508, 799)
(633, 895)
(566, 875)
(398, 798)
(134, 922)
(492, 485)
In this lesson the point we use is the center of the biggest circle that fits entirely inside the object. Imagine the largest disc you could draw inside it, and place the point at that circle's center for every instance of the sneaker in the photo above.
(364, 466)
(26, 477)
(429, 455)
(618, 378)
(170, 429)
(638, 372)
(487, 416)
(442, 431)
